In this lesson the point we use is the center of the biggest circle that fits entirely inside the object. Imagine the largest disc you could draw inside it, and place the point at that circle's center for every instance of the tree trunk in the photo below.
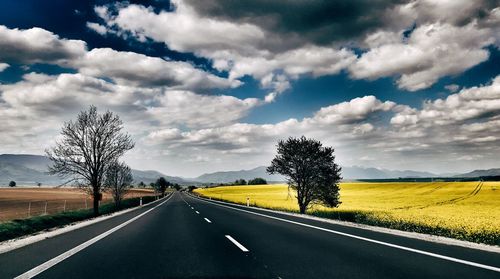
(118, 202)
(301, 200)
(302, 205)
(302, 208)
(96, 202)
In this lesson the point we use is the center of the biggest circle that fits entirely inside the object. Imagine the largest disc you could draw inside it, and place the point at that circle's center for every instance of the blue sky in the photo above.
(212, 85)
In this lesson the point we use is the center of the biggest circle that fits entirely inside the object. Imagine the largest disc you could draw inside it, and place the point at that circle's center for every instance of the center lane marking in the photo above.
(208, 221)
(242, 248)
(417, 251)
(197, 212)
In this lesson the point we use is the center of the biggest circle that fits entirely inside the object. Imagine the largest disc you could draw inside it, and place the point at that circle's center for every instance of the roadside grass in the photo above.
(462, 210)
(21, 227)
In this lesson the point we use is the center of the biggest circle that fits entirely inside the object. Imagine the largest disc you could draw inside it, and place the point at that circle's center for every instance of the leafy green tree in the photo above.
(161, 185)
(12, 184)
(257, 181)
(141, 184)
(310, 170)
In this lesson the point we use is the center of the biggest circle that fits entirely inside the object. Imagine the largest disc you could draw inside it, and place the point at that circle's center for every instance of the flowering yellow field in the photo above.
(464, 210)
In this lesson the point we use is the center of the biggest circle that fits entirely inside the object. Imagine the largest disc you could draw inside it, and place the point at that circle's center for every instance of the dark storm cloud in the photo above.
(317, 21)
(458, 13)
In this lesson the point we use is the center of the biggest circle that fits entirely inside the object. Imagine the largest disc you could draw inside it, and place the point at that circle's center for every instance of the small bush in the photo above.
(240, 182)
(257, 181)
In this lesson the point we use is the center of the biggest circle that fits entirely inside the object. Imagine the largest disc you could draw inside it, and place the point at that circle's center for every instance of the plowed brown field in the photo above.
(18, 203)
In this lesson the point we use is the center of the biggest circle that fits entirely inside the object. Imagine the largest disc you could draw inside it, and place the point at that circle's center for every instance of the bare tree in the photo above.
(118, 180)
(310, 169)
(88, 147)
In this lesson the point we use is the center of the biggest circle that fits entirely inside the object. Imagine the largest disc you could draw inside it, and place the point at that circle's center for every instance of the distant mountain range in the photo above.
(478, 173)
(32, 169)
(230, 176)
(149, 176)
(356, 172)
(349, 173)
(26, 170)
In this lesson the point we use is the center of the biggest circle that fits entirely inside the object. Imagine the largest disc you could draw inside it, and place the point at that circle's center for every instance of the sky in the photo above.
(212, 85)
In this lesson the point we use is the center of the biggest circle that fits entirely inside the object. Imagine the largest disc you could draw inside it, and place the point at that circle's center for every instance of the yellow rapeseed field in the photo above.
(464, 210)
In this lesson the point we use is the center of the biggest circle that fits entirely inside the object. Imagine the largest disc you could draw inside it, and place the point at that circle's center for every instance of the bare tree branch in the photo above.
(118, 180)
(88, 147)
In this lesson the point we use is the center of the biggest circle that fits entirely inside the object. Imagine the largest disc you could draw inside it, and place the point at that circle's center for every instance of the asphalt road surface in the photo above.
(185, 237)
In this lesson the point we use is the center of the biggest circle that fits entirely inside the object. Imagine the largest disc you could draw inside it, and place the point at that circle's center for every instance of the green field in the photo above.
(462, 210)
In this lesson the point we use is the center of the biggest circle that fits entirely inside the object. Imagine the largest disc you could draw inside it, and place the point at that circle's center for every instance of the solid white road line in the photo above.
(208, 221)
(242, 248)
(50, 263)
(197, 212)
(430, 254)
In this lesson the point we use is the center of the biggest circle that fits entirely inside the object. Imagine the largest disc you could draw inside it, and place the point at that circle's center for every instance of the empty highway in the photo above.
(186, 237)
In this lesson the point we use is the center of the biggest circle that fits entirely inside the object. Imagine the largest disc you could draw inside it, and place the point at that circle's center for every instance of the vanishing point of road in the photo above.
(186, 237)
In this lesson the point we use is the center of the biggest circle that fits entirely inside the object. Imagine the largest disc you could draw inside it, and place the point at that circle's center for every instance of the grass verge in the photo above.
(22, 227)
(367, 218)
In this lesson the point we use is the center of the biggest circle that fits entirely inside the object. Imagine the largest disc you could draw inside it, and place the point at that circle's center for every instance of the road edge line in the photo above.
(408, 234)
(16, 243)
(417, 251)
(50, 263)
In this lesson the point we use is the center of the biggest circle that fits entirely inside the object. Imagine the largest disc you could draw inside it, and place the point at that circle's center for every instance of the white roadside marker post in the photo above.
(248, 201)
(29, 209)
(140, 201)
(45, 211)
(64, 209)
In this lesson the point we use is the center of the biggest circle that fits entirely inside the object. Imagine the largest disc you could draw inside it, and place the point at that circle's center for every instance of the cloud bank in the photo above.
(186, 119)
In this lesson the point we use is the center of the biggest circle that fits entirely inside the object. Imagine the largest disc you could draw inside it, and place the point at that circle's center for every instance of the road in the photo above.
(185, 237)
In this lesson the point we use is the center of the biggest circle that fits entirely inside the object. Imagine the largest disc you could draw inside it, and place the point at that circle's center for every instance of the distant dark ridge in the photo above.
(29, 170)
(433, 179)
(481, 173)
